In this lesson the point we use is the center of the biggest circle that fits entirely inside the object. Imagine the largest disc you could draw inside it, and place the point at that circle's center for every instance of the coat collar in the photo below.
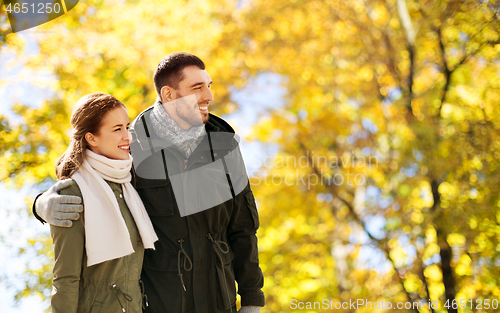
(221, 134)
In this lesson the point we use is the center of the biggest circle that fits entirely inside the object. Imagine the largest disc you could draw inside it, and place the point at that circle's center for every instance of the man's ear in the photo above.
(166, 93)
(90, 139)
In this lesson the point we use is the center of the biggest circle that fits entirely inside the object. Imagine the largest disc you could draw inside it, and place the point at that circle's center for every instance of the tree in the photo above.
(412, 85)
(388, 141)
(111, 47)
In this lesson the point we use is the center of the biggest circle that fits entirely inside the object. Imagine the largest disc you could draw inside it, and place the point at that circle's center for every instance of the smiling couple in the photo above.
(156, 218)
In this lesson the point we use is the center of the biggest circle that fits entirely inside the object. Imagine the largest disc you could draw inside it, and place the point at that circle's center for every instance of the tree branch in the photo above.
(447, 72)
(424, 280)
(448, 279)
(381, 243)
(404, 17)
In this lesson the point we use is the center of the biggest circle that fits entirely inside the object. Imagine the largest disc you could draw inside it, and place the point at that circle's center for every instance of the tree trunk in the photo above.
(448, 278)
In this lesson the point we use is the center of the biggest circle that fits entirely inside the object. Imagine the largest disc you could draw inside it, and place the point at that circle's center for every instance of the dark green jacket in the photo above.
(111, 286)
(198, 257)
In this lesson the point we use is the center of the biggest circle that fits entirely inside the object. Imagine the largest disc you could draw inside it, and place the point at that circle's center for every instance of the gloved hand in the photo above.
(249, 309)
(56, 209)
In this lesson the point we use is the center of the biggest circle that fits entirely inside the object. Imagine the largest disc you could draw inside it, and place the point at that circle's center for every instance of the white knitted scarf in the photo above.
(106, 234)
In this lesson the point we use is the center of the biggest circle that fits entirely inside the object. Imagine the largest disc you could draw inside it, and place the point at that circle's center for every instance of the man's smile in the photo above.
(203, 108)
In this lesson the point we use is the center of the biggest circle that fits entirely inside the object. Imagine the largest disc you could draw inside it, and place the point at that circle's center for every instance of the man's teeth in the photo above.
(204, 108)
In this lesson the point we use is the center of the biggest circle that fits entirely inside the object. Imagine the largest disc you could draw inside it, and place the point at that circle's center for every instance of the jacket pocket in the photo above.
(156, 195)
(253, 209)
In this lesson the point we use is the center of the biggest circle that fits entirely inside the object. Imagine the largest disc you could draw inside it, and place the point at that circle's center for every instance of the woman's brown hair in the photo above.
(87, 117)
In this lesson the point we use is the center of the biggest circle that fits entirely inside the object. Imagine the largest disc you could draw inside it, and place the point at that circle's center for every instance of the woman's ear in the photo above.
(90, 139)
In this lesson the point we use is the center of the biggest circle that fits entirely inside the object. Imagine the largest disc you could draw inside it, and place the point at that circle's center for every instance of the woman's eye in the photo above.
(117, 129)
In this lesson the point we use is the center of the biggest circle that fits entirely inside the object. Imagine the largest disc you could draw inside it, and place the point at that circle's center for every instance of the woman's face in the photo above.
(113, 139)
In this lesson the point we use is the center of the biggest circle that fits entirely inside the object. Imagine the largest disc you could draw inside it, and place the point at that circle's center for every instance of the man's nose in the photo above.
(207, 95)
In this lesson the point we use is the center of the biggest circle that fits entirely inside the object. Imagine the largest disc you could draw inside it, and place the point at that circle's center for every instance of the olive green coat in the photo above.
(111, 286)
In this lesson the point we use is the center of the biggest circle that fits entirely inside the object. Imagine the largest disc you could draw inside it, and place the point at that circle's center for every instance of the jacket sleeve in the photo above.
(69, 245)
(243, 242)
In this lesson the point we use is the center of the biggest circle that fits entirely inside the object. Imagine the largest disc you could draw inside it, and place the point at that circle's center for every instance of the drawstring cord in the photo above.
(221, 247)
(119, 291)
(186, 260)
(144, 296)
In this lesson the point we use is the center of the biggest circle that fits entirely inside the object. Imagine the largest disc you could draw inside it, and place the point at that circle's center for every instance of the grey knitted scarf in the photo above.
(167, 129)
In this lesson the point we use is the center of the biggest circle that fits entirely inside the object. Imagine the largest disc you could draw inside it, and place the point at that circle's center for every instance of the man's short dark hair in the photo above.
(169, 70)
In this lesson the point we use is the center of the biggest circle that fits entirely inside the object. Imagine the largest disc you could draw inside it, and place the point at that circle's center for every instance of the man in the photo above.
(191, 178)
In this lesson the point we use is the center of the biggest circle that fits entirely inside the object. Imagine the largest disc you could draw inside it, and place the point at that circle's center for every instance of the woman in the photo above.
(98, 260)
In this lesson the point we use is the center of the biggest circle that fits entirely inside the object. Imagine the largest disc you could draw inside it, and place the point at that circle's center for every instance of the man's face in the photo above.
(193, 96)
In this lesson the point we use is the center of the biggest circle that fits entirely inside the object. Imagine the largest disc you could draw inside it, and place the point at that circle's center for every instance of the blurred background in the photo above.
(370, 130)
